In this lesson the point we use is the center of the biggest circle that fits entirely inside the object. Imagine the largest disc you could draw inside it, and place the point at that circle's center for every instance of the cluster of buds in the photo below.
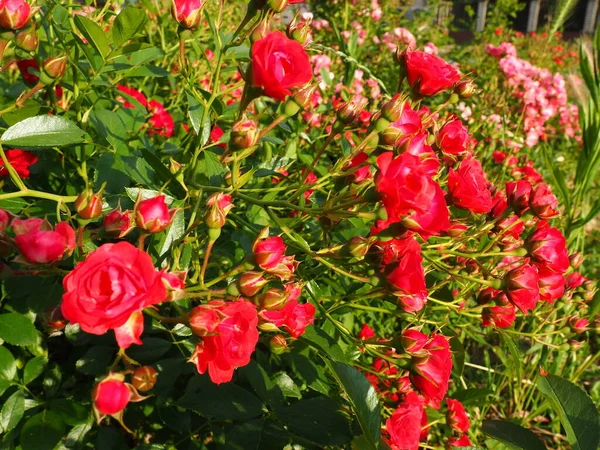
(112, 394)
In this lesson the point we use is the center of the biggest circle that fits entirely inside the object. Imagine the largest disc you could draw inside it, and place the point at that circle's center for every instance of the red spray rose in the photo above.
(430, 371)
(187, 12)
(5, 219)
(232, 343)
(552, 284)
(428, 74)
(20, 161)
(468, 187)
(111, 395)
(39, 244)
(130, 332)
(462, 441)
(132, 93)
(111, 284)
(548, 247)
(15, 14)
(153, 215)
(453, 138)
(518, 194)
(522, 287)
(404, 426)
(269, 256)
(294, 317)
(279, 64)
(544, 203)
(456, 416)
(117, 223)
(366, 332)
(499, 316)
(161, 122)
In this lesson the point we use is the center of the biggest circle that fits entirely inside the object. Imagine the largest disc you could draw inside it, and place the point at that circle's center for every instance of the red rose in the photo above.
(161, 122)
(404, 426)
(132, 93)
(544, 203)
(522, 287)
(456, 416)
(462, 441)
(278, 64)
(428, 74)
(20, 160)
(153, 215)
(293, 316)
(468, 187)
(431, 370)
(518, 194)
(453, 138)
(187, 12)
(24, 65)
(111, 395)
(551, 283)
(499, 316)
(232, 343)
(547, 246)
(111, 284)
(39, 244)
(366, 332)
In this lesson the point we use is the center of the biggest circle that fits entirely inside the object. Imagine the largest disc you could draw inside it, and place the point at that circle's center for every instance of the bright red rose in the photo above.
(544, 203)
(432, 222)
(5, 219)
(294, 317)
(453, 138)
(111, 395)
(578, 325)
(279, 64)
(428, 74)
(153, 215)
(233, 342)
(413, 341)
(161, 122)
(552, 284)
(462, 441)
(130, 332)
(518, 194)
(204, 320)
(15, 14)
(215, 136)
(408, 125)
(117, 223)
(404, 426)
(574, 280)
(456, 416)
(20, 160)
(112, 283)
(132, 93)
(39, 244)
(431, 370)
(522, 287)
(268, 252)
(547, 246)
(187, 12)
(499, 316)
(468, 187)
(406, 275)
(366, 332)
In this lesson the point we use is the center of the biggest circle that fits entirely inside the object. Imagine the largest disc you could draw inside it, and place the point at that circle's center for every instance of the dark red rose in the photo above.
(406, 276)
(279, 64)
(20, 160)
(404, 426)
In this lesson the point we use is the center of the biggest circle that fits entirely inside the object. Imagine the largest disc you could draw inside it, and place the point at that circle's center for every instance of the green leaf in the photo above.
(75, 438)
(163, 173)
(214, 168)
(43, 132)
(320, 340)
(317, 419)
(111, 127)
(34, 368)
(256, 435)
(93, 34)
(42, 431)
(287, 385)
(223, 401)
(127, 24)
(72, 413)
(512, 435)
(16, 329)
(197, 115)
(95, 361)
(12, 411)
(363, 398)
(578, 414)
(269, 392)
(152, 350)
(8, 365)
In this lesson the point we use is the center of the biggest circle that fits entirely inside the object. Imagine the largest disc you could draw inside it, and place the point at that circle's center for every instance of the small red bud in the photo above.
(89, 204)
(278, 344)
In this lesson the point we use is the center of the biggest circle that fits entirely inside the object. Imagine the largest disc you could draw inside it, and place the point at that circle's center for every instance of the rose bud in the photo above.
(144, 378)
(578, 325)
(250, 283)
(15, 14)
(273, 299)
(547, 246)
(574, 280)
(428, 74)
(39, 244)
(302, 96)
(54, 68)
(218, 205)
(53, 319)
(111, 395)
(589, 292)
(499, 316)
(261, 30)
(576, 260)
(456, 229)
(187, 12)
(268, 252)
(462, 441)
(413, 341)
(204, 321)
(301, 31)
(117, 223)
(277, 5)
(544, 203)
(392, 110)
(174, 283)
(453, 138)
(5, 219)
(89, 204)
(522, 288)
(27, 39)
(518, 194)
(278, 344)
(430, 374)
(153, 215)
(349, 111)
(456, 416)
(465, 89)
(552, 284)
(244, 134)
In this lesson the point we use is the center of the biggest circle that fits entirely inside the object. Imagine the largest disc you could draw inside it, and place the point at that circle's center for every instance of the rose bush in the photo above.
(231, 226)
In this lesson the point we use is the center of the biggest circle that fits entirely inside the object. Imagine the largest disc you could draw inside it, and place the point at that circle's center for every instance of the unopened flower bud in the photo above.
(465, 89)
(144, 378)
(187, 12)
(244, 134)
(413, 341)
(348, 113)
(218, 205)
(5, 219)
(589, 290)
(250, 283)
(456, 229)
(89, 204)
(111, 395)
(204, 321)
(278, 344)
(273, 299)
(54, 68)
(15, 14)
(261, 30)
(117, 223)
(358, 246)
(53, 319)
(277, 5)
(300, 31)
(392, 110)
(27, 39)
(153, 215)
(576, 260)
(578, 325)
